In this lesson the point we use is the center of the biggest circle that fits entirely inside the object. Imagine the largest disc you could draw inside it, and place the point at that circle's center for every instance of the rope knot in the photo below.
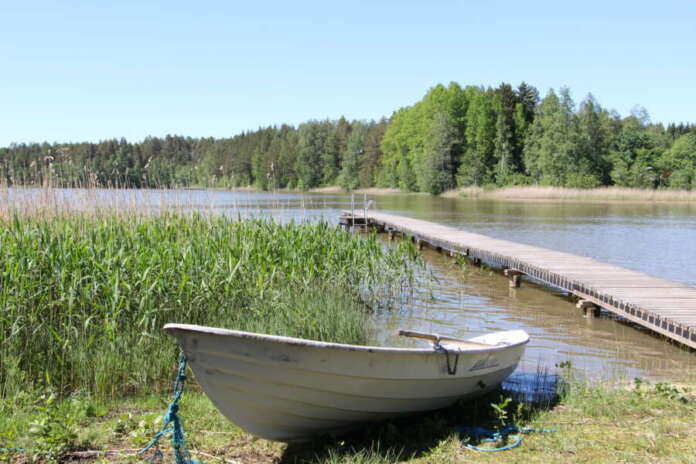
(172, 417)
(171, 413)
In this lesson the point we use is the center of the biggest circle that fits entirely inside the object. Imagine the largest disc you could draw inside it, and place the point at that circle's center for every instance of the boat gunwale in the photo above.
(449, 345)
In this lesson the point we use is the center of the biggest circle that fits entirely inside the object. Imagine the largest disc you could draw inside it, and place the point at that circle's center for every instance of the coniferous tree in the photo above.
(355, 151)
(309, 150)
(528, 98)
(331, 158)
(438, 173)
(287, 158)
(477, 161)
(369, 167)
(503, 151)
(506, 151)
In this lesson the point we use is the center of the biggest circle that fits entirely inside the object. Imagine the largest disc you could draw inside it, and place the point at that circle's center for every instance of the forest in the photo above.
(453, 137)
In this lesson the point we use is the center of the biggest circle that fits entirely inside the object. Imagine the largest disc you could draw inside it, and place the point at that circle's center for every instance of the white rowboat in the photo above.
(291, 389)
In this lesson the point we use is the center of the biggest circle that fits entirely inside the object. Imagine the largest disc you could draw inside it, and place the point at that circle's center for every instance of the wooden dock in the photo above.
(665, 307)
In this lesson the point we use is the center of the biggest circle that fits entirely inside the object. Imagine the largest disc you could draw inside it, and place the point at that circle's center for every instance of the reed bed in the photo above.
(83, 296)
(50, 202)
(562, 193)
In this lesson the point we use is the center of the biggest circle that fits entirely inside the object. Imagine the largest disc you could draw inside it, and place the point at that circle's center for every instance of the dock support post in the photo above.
(419, 244)
(514, 276)
(476, 261)
(390, 233)
(352, 206)
(586, 306)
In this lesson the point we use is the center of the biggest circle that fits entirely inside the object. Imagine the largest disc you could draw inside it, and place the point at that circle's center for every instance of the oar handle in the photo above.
(438, 338)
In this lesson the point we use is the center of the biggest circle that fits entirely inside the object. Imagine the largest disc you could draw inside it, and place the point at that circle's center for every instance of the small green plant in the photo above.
(7, 448)
(139, 429)
(567, 365)
(669, 391)
(54, 431)
(520, 410)
(500, 410)
(462, 262)
(662, 389)
(145, 429)
(124, 424)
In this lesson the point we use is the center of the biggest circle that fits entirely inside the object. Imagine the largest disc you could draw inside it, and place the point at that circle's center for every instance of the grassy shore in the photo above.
(571, 194)
(592, 423)
(537, 193)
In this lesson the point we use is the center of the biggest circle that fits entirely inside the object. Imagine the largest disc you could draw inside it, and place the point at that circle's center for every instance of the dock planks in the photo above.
(665, 307)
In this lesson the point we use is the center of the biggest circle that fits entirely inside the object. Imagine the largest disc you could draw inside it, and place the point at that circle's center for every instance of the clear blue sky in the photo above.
(85, 71)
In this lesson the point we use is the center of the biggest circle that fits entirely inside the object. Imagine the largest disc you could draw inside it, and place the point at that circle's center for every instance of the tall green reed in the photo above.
(83, 297)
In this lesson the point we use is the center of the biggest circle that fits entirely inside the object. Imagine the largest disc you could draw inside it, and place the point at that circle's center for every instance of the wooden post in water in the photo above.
(365, 208)
(586, 305)
(514, 276)
(352, 209)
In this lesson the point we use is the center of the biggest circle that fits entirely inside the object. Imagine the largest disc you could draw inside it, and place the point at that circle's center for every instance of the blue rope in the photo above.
(14, 450)
(172, 417)
(483, 435)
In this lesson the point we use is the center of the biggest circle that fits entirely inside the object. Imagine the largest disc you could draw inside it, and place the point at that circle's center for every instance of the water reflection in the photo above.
(472, 301)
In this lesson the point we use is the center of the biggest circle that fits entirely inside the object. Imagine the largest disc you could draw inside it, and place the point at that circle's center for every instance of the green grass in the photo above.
(593, 423)
(83, 297)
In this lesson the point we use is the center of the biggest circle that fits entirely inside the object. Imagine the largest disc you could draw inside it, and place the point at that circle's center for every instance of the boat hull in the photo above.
(289, 389)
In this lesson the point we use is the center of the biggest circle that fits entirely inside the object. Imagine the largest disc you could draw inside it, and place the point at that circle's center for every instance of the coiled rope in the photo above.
(483, 435)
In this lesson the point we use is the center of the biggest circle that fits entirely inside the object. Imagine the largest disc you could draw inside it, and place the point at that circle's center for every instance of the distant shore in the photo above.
(523, 193)
(540, 193)
(519, 193)
(573, 194)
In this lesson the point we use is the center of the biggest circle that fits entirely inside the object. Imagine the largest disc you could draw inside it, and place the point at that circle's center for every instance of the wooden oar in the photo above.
(438, 338)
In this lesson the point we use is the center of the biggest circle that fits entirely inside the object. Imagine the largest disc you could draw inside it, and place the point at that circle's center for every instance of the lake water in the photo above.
(654, 238)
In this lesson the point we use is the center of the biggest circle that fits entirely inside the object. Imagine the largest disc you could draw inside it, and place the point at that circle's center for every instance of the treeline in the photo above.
(454, 137)
(313, 154)
(458, 137)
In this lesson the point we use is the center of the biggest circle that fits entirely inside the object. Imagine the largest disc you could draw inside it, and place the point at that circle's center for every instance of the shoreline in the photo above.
(524, 193)
(521, 193)
(516, 194)
(538, 193)
(534, 193)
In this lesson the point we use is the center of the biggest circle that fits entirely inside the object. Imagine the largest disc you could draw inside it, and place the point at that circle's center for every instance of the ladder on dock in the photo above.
(662, 306)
